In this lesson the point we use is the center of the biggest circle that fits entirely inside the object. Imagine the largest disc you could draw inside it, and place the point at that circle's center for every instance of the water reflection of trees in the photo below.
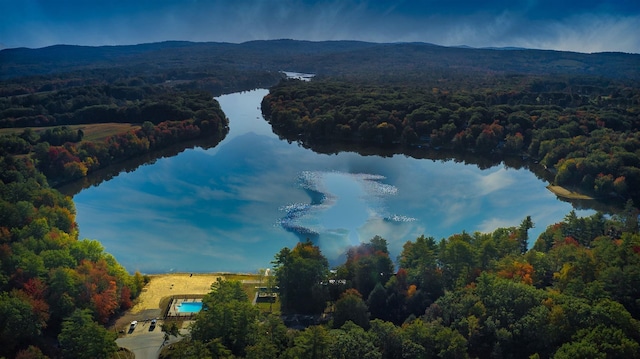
(482, 161)
(105, 174)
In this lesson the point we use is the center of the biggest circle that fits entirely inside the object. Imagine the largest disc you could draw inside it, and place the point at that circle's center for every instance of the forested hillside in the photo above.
(48, 275)
(351, 59)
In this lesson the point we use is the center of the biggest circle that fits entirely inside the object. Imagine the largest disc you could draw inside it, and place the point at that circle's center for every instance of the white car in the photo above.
(133, 325)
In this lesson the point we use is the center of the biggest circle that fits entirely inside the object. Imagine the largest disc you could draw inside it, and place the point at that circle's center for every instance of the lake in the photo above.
(231, 208)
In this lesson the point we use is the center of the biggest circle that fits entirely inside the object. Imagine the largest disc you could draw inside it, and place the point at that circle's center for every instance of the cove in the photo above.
(231, 208)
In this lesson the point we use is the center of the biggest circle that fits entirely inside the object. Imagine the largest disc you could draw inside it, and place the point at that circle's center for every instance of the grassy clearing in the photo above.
(250, 284)
(100, 131)
(269, 308)
(241, 277)
(92, 132)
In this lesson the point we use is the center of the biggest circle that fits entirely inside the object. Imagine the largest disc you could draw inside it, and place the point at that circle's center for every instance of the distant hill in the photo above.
(343, 58)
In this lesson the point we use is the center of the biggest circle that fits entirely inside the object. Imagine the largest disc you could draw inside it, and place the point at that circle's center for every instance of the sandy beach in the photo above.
(165, 285)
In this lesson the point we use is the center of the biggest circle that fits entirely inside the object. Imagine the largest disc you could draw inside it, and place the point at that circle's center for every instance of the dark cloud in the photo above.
(586, 26)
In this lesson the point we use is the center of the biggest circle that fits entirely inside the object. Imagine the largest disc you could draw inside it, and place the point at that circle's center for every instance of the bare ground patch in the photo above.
(166, 285)
(563, 192)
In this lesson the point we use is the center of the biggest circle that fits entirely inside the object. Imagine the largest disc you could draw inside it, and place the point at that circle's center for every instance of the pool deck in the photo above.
(175, 303)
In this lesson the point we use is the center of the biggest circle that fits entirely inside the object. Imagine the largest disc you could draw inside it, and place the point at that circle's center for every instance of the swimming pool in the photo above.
(189, 307)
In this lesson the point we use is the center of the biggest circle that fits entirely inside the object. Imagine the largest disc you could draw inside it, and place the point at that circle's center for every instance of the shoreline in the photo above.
(566, 193)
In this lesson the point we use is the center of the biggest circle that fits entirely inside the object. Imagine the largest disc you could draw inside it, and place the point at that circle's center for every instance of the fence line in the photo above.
(185, 297)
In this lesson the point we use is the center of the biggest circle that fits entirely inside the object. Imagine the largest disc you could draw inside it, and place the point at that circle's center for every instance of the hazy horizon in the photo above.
(587, 26)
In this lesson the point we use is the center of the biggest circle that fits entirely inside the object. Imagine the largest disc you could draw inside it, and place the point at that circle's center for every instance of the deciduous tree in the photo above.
(300, 275)
(351, 307)
(81, 338)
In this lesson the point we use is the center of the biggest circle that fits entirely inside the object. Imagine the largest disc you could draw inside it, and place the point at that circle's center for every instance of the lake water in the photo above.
(233, 207)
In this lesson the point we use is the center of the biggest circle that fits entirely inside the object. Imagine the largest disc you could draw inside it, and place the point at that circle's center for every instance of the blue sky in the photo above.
(583, 26)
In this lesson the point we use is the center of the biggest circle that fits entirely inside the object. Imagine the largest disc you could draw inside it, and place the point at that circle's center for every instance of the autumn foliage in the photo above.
(45, 271)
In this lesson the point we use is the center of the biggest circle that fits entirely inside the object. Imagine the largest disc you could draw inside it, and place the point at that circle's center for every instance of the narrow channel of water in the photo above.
(233, 207)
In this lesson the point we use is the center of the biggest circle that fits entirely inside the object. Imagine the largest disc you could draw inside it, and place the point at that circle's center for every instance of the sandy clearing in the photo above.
(563, 192)
(164, 285)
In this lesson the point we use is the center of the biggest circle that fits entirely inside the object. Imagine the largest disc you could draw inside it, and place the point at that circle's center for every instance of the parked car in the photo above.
(133, 325)
(153, 324)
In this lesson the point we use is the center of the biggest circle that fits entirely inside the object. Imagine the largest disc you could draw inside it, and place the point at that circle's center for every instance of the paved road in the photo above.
(146, 344)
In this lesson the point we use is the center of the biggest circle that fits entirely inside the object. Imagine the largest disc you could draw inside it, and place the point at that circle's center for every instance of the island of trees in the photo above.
(574, 293)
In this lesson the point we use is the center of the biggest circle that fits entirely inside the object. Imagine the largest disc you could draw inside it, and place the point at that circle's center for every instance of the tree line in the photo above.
(582, 130)
(165, 118)
(130, 103)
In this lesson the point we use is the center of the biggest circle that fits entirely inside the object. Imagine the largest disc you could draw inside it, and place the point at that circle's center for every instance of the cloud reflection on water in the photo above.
(220, 209)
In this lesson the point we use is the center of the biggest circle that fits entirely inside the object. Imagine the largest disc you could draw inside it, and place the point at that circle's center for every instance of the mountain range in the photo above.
(332, 58)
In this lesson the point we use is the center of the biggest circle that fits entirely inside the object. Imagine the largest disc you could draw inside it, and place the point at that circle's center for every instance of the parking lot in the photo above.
(145, 342)
(142, 341)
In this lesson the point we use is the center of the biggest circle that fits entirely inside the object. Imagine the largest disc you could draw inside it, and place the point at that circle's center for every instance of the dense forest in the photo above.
(48, 276)
(573, 294)
(583, 130)
(481, 295)
(164, 116)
